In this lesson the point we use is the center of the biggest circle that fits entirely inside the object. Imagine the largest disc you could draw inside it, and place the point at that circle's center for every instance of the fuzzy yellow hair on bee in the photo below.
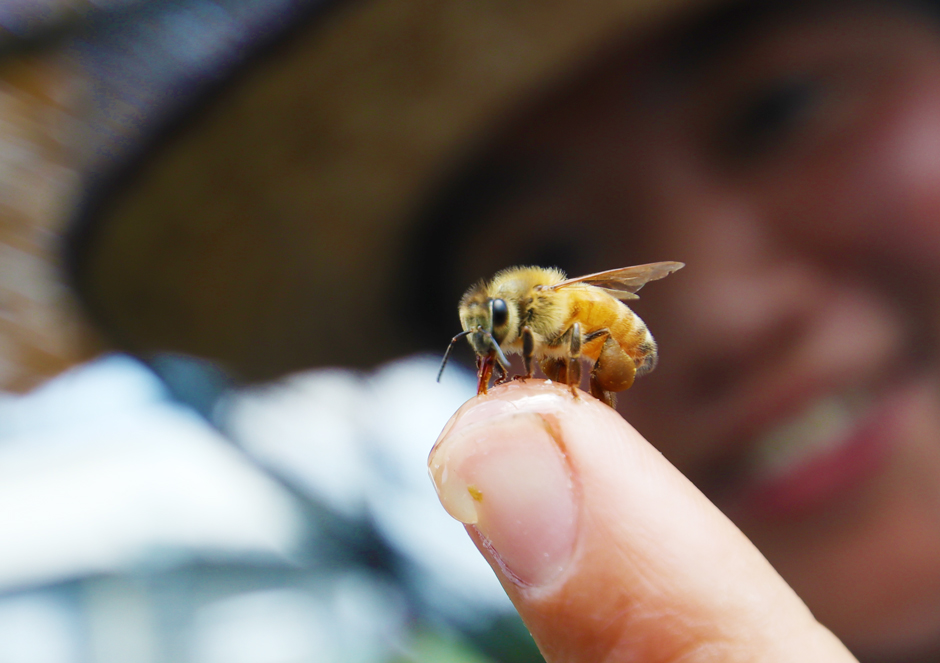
(546, 317)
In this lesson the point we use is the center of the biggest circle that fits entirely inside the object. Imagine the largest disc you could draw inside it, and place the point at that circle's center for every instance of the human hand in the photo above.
(606, 550)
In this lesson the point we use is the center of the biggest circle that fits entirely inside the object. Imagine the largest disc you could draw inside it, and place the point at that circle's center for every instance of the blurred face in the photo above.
(796, 170)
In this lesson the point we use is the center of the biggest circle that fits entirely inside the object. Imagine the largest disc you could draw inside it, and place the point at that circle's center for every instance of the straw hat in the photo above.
(266, 227)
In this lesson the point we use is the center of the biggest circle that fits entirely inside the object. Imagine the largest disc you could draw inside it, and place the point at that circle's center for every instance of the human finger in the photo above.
(606, 550)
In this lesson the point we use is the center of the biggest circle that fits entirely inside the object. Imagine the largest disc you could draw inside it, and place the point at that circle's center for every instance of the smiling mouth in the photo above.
(833, 445)
(818, 430)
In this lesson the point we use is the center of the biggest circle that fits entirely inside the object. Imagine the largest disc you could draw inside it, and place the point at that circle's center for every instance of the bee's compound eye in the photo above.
(500, 312)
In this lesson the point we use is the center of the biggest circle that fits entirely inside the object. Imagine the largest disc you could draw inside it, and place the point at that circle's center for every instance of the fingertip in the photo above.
(509, 478)
(607, 550)
(507, 464)
(523, 395)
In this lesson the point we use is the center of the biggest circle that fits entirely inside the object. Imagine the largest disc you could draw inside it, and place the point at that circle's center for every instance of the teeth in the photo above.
(820, 428)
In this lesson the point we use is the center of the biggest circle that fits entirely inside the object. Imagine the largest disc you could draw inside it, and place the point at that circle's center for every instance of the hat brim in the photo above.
(266, 232)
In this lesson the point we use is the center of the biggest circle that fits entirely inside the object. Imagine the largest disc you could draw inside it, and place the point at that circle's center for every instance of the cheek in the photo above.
(912, 172)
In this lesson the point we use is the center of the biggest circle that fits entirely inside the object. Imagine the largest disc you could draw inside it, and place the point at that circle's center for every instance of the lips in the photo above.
(844, 445)
(819, 431)
(833, 446)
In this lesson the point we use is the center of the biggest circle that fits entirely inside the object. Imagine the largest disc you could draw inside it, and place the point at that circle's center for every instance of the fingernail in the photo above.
(509, 478)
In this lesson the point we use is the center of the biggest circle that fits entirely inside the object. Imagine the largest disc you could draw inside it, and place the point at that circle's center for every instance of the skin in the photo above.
(797, 173)
(607, 551)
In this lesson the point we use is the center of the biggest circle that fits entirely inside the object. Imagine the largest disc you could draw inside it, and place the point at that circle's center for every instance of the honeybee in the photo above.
(541, 314)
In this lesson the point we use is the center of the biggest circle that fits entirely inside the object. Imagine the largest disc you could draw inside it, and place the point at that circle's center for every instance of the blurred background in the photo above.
(157, 511)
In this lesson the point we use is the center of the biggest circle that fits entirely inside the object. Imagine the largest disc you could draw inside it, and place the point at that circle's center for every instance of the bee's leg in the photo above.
(574, 358)
(484, 371)
(528, 349)
(555, 369)
(597, 391)
(501, 374)
(604, 396)
(613, 371)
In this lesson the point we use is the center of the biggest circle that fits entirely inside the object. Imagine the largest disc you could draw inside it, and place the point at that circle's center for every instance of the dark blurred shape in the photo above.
(263, 224)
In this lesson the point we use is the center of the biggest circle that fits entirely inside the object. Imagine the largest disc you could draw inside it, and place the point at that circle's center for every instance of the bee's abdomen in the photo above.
(636, 340)
(647, 354)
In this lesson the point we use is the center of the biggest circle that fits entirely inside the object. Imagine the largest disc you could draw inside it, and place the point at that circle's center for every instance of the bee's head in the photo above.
(482, 315)
(485, 319)
(485, 322)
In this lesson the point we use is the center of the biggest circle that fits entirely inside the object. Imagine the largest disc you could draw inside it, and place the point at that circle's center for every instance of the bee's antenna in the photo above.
(499, 352)
(447, 353)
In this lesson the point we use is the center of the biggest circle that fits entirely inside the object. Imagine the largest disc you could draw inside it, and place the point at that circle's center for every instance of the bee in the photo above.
(546, 317)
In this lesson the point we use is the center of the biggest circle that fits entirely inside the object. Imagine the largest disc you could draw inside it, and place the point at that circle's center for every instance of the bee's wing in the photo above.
(624, 282)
